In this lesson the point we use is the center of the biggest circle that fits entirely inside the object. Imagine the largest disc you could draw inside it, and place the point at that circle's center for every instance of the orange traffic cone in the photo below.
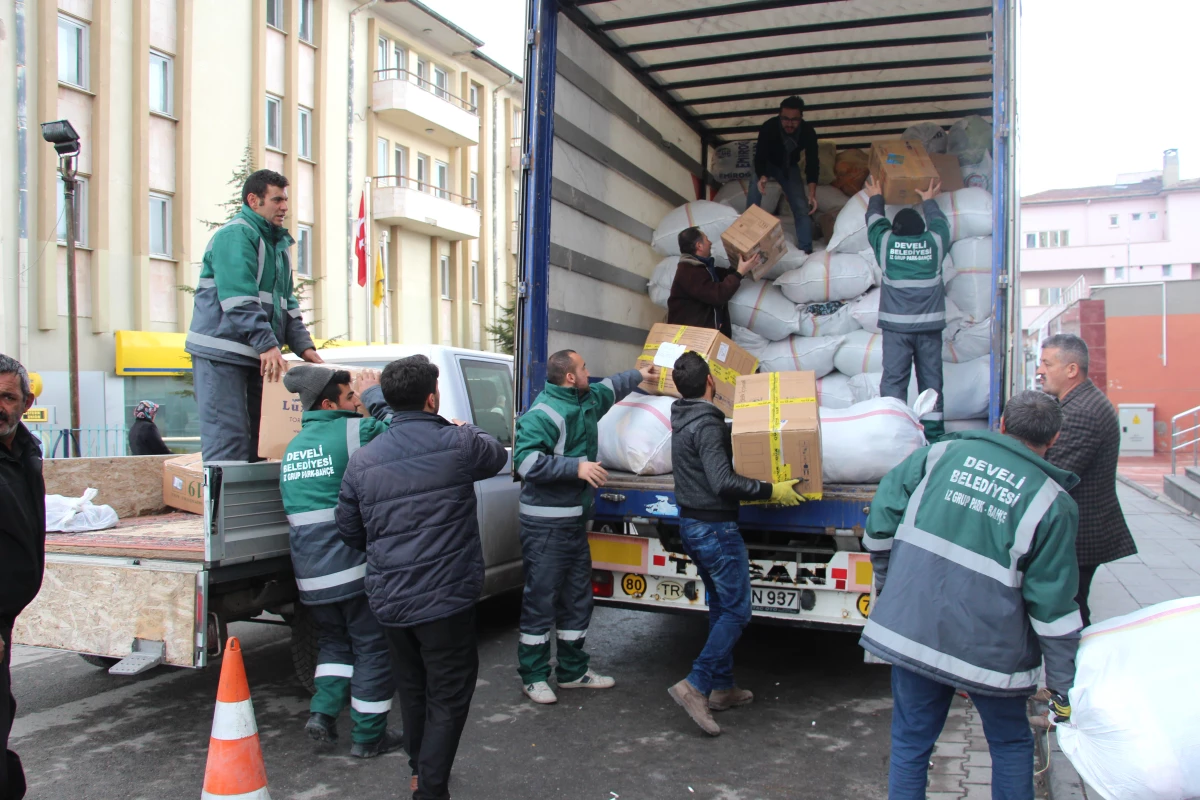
(235, 763)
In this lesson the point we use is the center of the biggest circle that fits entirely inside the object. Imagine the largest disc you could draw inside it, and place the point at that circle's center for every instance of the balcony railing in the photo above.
(397, 74)
(405, 182)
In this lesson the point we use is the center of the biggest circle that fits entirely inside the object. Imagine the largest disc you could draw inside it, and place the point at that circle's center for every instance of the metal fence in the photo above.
(86, 443)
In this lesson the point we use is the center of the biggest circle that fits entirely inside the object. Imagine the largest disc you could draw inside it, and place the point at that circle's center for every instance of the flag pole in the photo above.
(370, 284)
(384, 238)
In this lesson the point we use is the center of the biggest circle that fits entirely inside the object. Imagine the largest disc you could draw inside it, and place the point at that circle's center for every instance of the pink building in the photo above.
(1146, 227)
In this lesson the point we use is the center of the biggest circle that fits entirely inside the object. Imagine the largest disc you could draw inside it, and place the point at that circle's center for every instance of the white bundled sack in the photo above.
(827, 276)
(792, 260)
(803, 353)
(865, 311)
(838, 323)
(659, 285)
(830, 199)
(1124, 739)
(635, 435)
(78, 514)
(969, 212)
(966, 341)
(965, 386)
(978, 175)
(736, 195)
(929, 134)
(862, 443)
(748, 340)
(971, 287)
(861, 352)
(761, 307)
(833, 391)
(734, 161)
(850, 229)
(712, 218)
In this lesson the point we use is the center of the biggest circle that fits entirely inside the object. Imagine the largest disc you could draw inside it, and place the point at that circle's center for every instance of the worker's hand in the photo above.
(1060, 708)
(312, 356)
(935, 188)
(593, 473)
(457, 422)
(649, 374)
(747, 264)
(784, 493)
(270, 365)
(364, 380)
(872, 187)
(812, 199)
(762, 185)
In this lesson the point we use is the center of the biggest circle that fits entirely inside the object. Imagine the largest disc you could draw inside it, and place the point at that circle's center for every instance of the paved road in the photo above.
(818, 730)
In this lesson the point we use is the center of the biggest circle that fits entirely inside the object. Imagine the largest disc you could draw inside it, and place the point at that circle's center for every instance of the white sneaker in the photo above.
(590, 680)
(540, 692)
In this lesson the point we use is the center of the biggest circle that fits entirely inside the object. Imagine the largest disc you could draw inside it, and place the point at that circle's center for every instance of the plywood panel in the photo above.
(121, 603)
(132, 485)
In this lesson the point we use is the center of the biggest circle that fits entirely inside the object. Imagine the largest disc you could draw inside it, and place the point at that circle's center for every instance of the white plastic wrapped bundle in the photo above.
(830, 199)
(865, 311)
(965, 386)
(826, 276)
(860, 352)
(749, 341)
(833, 391)
(971, 288)
(838, 323)
(792, 260)
(929, 134)
(970, 139)
(969, 212)
(805, 353)
(659, 285)
(734, 161)
(850, 230)
(978, 175)
(963, 341)
(862, 443)
(736, 195)
(712, 218)
(761, 307)
(635, 435)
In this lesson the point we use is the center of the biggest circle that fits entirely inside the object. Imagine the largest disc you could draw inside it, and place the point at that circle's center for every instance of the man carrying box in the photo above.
(708, 492)
(701, 290)
(780, 142)
(556, 458)
(353, 665)
(912, 301)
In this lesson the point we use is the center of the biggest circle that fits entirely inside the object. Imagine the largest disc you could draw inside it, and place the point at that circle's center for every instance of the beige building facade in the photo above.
(384, 102)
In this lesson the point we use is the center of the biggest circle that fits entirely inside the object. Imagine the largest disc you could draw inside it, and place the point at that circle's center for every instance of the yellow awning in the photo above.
(151, 353)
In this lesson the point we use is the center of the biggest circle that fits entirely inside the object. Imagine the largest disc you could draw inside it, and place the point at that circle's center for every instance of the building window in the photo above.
(304, 251)
(474, 97)
(475, 186)
(1153, 215)
(1136, 217)
(423, 74)
(1031, 240)
(274, 122)
(275, 13)
(423, 173)
(306, 20)
(1119, 273)
(162, 83)
(443, 179)
(381, 58)
(73, 52)
(381, 156)
(399, 59)
(445, 277)
(401, 163)
(475, 281)
(305, 132)
(441, 79)
(1113, 220)
(1044, 239)
(160, 225)
(1064, 238)
(1054, 238)
(517, 130)
(1166, 271)
(81, 204)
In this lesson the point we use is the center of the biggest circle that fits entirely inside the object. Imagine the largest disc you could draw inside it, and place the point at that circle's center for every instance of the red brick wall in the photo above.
(1085, 319)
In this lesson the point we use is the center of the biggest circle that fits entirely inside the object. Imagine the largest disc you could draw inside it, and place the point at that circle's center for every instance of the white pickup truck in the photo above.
(162, 586)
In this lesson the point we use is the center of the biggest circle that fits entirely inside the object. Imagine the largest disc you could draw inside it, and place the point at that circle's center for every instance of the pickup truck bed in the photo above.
(177, 536)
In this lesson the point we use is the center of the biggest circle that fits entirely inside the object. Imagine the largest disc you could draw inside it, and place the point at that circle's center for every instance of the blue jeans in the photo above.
(796, 192)
(918, 715)
(717, 550)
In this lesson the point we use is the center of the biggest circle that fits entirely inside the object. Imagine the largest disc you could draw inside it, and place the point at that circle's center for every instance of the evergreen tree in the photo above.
(504, 330)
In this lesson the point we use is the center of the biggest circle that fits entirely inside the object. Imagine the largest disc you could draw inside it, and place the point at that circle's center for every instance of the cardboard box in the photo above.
(281, 413)
(901, 167)
(777, 430)
(726, 360)
(183, 483)
(756, 231)
(948, 171)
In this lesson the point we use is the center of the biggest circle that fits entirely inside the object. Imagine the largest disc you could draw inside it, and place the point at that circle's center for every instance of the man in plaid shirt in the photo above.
(1088, 446)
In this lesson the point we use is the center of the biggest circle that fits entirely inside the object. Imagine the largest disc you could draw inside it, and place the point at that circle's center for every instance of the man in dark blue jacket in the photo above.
(408, 500)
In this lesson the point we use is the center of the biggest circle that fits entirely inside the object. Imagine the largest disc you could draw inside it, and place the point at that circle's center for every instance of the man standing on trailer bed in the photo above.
(781, 140)
(556, 457)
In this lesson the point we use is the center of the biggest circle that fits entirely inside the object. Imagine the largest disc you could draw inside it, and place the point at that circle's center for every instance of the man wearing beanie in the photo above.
(353, 665)
(912, 301)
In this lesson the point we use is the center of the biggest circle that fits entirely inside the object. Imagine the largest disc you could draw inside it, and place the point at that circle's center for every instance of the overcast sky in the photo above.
(1106, 85)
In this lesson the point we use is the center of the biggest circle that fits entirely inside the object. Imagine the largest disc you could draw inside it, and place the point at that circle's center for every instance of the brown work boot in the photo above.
(725, 699)
(696, 705)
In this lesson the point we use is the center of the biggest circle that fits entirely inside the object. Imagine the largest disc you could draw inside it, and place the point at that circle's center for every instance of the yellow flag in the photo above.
(377, 298)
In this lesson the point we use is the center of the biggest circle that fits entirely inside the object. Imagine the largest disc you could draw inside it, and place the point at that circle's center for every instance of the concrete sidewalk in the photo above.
(1166, 567)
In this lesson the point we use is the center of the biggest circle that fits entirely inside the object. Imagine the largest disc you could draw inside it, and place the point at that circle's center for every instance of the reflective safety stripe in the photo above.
(558, 420)
(262, 260)
(941, 246)
(204, 340)
(883, 249)
(1059, 627)
(931, 459)
(550, 511)
(528, 463)
(266, 298)
(876, 545)
(913, 319)
(257, 794)
(924, 283)
(933, 415)
(534, 638)
(295, 313)
(232, 721)
(910, 534)
(330, 581)
(353, 437)
(239, 300)
(572, 636)
(311, 517)
(206, 283)
(1037, 508)
(371, 706)
(947, 663)
(334, 671)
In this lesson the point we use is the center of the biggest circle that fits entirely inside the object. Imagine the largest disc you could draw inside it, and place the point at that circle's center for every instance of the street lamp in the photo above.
(66, 143)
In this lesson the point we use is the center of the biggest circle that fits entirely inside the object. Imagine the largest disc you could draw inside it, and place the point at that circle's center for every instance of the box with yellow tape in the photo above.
(777, 430)
(726, 360)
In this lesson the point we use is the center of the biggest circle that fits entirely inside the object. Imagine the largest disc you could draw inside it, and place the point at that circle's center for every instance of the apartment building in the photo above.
(386, 103)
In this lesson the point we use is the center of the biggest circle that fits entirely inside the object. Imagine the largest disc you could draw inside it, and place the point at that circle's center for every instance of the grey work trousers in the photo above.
(229, 397)
(558, 594)
(354, 666)
(900, 352)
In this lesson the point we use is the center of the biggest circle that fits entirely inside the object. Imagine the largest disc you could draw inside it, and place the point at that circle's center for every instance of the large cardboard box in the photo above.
(948, 170)
(901, 167)
(756, 231)
(726, 360)
(183, 483)
(777, 430)
(281, 413)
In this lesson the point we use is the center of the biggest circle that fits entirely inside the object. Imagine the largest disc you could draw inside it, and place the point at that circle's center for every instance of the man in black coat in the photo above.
(1088, 445)
(408, 501)
(144, 437)
(22, 542)
(781, 140)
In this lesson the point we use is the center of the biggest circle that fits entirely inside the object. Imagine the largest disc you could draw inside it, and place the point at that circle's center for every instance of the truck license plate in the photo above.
(786, 601)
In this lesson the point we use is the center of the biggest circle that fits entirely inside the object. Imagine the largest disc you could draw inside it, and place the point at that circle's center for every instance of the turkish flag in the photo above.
(360, 240)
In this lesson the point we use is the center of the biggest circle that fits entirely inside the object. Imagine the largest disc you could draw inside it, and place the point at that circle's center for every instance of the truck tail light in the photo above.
(602, 583)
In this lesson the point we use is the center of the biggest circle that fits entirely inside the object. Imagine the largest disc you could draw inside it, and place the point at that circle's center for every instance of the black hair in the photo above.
(1033, 417)
(408, 382)
(793, 102)
(333, 389)
(690, 375)
(558, 367)
(258, 182)
(688, 239)
(1074, 350)
(908, 223)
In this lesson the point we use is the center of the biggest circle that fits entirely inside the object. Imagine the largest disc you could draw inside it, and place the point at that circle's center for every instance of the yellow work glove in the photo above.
(784, 493)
